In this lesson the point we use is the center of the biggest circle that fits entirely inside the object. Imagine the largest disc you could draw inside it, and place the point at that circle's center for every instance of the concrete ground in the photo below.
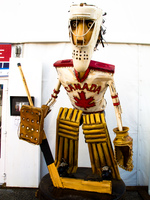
(132, 193)
(18, 194)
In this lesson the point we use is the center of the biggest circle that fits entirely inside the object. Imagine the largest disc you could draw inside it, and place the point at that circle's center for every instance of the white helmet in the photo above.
(82, 51)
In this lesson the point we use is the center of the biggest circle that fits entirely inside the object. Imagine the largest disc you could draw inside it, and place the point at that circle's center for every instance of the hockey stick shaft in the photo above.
(25, 84)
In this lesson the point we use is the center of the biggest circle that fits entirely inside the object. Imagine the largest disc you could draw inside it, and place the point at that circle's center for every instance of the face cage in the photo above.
(71, 31)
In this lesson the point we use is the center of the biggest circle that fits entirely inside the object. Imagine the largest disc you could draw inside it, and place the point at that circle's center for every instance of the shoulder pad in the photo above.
(64, 63)
(99, 66)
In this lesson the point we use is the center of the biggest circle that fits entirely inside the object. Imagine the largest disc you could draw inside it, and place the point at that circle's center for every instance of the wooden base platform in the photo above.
(48, 192)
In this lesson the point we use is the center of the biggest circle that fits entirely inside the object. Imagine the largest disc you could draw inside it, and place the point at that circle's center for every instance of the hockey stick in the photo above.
(44, 145)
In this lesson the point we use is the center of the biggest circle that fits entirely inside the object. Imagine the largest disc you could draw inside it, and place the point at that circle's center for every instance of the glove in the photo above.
(32, 122)
(123, 148)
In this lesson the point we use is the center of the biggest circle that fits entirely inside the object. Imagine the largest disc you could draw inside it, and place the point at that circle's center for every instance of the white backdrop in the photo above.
(22, 159)
(33, 22)
(36, 20)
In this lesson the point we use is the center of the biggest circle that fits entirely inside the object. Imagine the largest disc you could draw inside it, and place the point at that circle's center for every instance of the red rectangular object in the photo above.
(5, 52)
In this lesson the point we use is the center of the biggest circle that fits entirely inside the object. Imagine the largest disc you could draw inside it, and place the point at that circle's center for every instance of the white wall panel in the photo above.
(144, 113)
(23, 159)
(38, 21)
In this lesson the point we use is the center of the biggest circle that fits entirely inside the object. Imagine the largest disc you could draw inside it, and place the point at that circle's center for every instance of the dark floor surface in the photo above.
(132, 193)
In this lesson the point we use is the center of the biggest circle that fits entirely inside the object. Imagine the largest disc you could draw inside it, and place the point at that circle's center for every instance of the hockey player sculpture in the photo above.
(85, 82)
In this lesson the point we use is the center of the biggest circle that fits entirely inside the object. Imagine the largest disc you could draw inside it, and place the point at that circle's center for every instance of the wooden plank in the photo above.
(91, 186)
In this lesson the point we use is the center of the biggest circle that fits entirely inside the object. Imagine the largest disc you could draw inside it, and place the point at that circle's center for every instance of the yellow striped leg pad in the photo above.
(68, 122)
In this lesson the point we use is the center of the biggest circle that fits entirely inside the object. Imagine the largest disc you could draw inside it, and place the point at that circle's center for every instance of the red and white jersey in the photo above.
(87, 93)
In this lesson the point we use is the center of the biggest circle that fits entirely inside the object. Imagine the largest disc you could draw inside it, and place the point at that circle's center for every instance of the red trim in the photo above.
(93, 65)
(64, 63)
(56, 92)
(113, 97)
(116, 104)
(84, 77)
(53, 96)
(102, 66)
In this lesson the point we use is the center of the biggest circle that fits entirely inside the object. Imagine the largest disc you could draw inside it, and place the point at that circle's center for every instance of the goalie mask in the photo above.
(84, 28)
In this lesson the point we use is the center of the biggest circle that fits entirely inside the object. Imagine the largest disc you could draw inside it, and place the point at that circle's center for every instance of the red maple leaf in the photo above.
(83, 102)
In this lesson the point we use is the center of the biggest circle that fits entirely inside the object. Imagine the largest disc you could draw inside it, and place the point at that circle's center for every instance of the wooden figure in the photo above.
(85, 82)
